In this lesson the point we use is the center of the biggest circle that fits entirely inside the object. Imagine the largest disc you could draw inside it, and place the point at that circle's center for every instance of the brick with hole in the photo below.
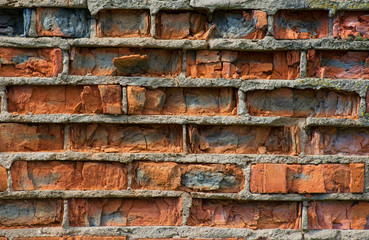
(126, 138)
(243, 65)
(67, 175)
(295, 178)
(20, 137)
(353, 25)
(94, 99)
(303, 103)
(125, 62)
(123, 23)
(301, 24)
(63, 22)
(338, 215)
(31, 213)
(243, 139)
(187, 177)
(125, 212)
(245, 214)
(182, 101)
(30, 62)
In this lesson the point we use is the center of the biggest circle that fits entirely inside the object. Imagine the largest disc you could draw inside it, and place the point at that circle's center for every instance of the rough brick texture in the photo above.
(65, 99)
(254, 215)
(293, 178)
(187, 177)
(300, 24)
(64, 175)
(21, 62)
(123, 23)
(243, 139)
(125, 212)
(184, 119)
(302, 103)
(244, 65)
(181, 101)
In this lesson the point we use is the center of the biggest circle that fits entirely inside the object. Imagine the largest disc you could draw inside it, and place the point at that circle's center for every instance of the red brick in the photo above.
(179, 25)
(16, 137)
(63, 175)
(30, 62)
(338, 64)
(302, 103)
(31, 213)
(125, 62)
(65, 99)
(244, 65)
(187, 177)
(63, 22)
(294, 178)
(126, 138)
(39, 238)
(125, 212)
(237, 214)
(351, 24)
(3, 179)
(342, 141)
(300, 24)
(338, 215)
(243, 139)
(246, 24)
(182, 101)
(123, 23)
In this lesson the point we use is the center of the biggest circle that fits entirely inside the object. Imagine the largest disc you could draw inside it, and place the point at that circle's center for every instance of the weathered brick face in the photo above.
(184, 120)
(244, 65)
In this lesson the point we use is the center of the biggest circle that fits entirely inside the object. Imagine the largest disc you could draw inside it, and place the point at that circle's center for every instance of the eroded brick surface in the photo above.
(64, 175)
(302, 103)
(182, 101)
(11, 22)
(338, 64)
(16, 137)
(351, 24)
(178, 25)
(30, 213)
(123, 23)
(244, 65)
(300, 24)
(187, 177)
(237, 214)
(338, 215)
(126, 138)
(125, 212)
(248, 24)
(294, 178)
(65, 99)
(30, 62)
(332, 140)
(63, 22)
(243, 139)
(125, 62)
(3, 179)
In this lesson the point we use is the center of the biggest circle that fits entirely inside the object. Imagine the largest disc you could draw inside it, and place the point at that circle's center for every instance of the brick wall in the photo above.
(188, 120)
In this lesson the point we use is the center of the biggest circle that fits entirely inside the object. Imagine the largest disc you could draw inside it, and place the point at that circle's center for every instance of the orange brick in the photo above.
(351, 24)
(3, 179)
(125, 212)
(338, 215)
(63, 175)
(237, 214)
(294, 178)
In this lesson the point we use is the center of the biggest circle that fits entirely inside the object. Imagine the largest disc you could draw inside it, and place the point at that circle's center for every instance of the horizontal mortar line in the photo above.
(147, 119)
(154, 232)
(6, 158)
(267, 44)
(245, 120)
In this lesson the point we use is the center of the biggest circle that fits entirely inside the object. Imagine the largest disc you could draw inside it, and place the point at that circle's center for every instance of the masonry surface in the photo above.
(184, 119)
